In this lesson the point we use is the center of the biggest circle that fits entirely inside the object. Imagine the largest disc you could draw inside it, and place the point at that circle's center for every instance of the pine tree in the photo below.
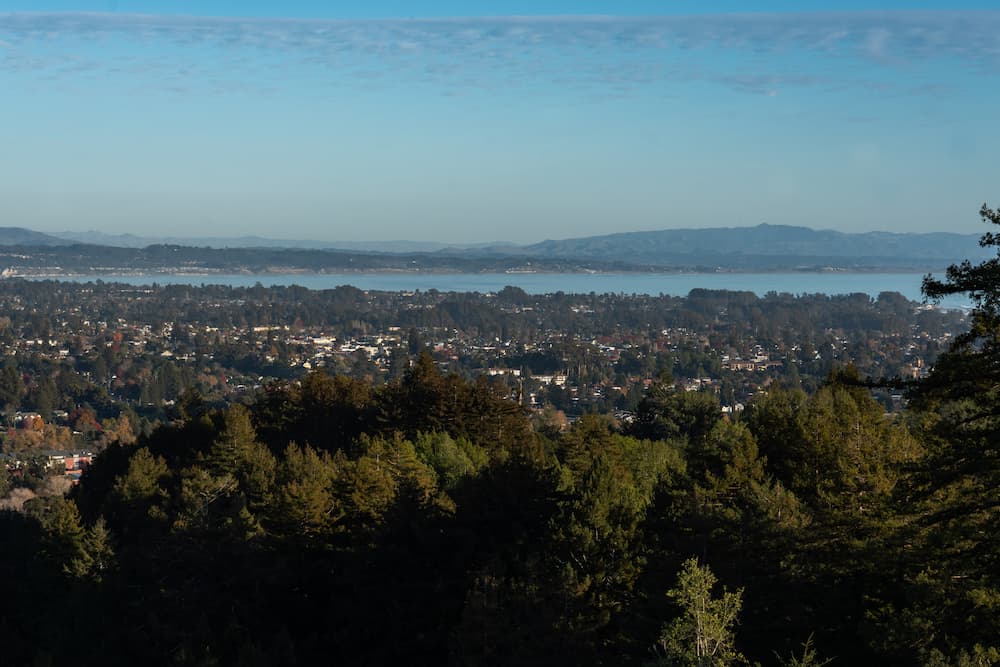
(11, 388)
(139, 494)
(306, 505)
(97, 557)
(233, 442)
(64, 534)
(951, 606)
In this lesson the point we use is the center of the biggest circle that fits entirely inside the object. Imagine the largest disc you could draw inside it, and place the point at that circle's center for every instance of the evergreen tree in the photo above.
(949, 612)
(835, 449)
(65, 536)
(137, 498)
(451, 459)
(305, 503)
(666, 413)
(773, 418)
(11, 388)
(96, 559)
(233, 443)
(330, 412)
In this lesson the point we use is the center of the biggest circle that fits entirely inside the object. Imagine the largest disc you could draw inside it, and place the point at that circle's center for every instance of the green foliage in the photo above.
(207, 503)
(577, 449)
(773, 419)
(703, 635)
(60, 520)
(451, 460)
(600, 536)
(256, 470)
(333, 411)
(609, 484)
(836, 449)
(233, 443)
(666, 413)
(978, 656)
(305, 504)
(11, 388)
(742, 492)
(98, 560)
(408, 473)
(140, 494)
(948, 610)
(808, 658)
(427, 401)
(852, 455)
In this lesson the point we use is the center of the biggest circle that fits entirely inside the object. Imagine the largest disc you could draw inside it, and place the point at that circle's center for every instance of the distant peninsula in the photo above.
(762, 248)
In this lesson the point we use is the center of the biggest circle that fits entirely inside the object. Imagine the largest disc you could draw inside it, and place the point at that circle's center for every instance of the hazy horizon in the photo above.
(515, 122)
(276, 236)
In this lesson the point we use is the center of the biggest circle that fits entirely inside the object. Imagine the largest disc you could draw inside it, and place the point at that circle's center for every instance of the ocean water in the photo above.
(673, 284)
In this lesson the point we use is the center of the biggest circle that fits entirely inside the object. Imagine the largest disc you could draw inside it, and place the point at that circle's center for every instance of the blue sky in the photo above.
(480, 121)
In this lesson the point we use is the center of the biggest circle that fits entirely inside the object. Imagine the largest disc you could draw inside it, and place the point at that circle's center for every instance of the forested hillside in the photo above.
(432, 520)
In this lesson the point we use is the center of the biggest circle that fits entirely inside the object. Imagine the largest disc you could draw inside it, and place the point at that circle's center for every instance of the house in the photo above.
(73, 463)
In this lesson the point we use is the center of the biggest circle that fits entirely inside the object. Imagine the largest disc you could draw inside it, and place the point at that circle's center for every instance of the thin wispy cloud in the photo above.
(627, 51)
(912, 33)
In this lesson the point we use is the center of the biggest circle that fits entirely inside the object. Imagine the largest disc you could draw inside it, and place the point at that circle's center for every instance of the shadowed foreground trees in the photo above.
(223, 538)
(950, 567)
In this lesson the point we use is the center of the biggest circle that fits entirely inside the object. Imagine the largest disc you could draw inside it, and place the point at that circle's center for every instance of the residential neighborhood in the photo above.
(79, 359)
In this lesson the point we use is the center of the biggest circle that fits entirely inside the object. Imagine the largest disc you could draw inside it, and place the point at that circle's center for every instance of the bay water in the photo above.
(672, 284)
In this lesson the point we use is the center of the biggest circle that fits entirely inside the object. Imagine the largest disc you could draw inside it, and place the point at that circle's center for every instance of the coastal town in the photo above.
(84, 362)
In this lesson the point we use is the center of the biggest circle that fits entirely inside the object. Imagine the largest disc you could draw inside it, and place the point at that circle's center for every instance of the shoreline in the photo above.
(53, 275)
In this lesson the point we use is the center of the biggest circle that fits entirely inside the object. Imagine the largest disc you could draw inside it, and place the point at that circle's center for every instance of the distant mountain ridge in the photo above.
(22, 236)
(761, 248)
(646, 247)
(723, 245)
(252, 241)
